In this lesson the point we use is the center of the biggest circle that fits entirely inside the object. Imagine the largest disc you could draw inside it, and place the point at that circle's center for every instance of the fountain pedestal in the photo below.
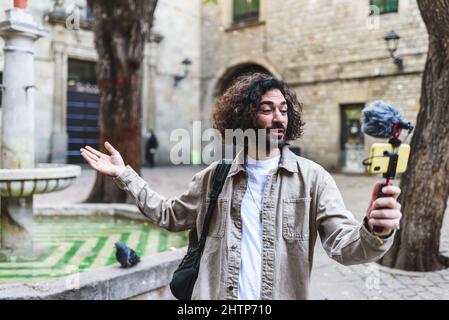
(19, 177)
(19, 33)
(16, 224)
(17, 140)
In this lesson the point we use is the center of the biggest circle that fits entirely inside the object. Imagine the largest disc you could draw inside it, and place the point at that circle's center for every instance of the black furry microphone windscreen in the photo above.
(378, 119)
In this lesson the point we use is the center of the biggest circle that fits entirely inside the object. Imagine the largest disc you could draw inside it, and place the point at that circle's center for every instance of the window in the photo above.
(385, 6)
(82, 108)
(82, 71)
(79, 16)
(245, 11)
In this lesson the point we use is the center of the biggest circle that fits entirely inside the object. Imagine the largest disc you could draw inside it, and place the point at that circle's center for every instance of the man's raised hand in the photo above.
(111, 165)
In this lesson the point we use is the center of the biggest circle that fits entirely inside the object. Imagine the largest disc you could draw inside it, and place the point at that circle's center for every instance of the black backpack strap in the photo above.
(221, 172)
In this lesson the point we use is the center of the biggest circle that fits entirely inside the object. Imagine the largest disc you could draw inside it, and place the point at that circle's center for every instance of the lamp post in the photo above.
(392, 40)
(178, 78)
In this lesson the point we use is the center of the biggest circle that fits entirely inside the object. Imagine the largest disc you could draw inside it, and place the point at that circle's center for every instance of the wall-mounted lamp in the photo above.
(392, 40)
(178, 78)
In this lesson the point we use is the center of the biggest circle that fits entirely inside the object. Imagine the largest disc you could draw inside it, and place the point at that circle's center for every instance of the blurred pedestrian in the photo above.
(150, 148)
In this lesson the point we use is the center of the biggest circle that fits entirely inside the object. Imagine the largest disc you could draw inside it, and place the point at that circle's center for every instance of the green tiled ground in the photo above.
(77, 244)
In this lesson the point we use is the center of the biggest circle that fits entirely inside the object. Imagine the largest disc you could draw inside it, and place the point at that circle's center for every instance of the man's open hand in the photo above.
(112, 165)
(384, 212)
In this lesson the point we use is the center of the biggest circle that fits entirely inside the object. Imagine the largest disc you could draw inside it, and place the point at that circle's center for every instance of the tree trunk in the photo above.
(121, 28)
(425, 185)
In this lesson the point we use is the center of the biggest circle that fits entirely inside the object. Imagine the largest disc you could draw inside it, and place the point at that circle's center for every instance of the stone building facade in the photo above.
(333, 54)
(65, 71)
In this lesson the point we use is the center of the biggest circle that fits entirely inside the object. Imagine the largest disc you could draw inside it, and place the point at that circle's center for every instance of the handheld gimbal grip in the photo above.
(378, 229)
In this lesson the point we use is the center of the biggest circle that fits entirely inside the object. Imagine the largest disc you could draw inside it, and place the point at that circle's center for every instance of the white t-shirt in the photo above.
(251, 259)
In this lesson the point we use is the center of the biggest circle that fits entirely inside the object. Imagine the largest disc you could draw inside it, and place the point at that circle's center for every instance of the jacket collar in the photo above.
(287, 161)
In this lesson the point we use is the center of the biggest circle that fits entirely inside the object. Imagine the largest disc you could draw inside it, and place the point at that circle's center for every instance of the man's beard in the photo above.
(275, 141)
(270, 141)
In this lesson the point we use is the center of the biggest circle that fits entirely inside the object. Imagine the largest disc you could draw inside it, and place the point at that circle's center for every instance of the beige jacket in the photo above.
(301, 200)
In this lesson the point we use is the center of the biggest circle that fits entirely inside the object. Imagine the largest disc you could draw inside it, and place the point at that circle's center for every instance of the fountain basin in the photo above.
(43, 178)
(91, 272)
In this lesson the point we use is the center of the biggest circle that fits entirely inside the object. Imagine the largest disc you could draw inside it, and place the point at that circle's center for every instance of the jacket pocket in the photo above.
(295, 219)
(218, 222)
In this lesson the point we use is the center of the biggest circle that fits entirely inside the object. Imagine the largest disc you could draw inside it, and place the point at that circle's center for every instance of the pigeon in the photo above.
(126, 256)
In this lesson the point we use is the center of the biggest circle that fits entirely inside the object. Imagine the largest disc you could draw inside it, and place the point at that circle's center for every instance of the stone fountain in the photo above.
(20, 178)
(77, 266)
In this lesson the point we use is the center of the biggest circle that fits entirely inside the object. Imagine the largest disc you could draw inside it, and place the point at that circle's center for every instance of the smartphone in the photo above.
(379, 162)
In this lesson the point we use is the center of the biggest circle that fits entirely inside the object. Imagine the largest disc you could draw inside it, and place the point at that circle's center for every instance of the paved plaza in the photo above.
(329, 279)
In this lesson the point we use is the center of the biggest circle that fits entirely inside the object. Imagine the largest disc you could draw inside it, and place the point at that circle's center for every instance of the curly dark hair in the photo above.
(237, 107)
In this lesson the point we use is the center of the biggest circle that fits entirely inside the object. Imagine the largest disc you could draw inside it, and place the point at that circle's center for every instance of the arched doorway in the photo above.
(234, 72)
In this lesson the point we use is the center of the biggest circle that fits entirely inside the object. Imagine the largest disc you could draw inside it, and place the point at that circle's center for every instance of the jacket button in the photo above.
(230, 288)
(233, 247)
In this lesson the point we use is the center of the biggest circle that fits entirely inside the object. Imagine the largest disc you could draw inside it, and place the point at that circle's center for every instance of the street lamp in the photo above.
(178, 78)
(392, 40)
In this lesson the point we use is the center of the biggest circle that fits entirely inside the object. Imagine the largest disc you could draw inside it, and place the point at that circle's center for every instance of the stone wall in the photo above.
(330, 52)
(165, 107)
(51, 63)
(171, 107)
